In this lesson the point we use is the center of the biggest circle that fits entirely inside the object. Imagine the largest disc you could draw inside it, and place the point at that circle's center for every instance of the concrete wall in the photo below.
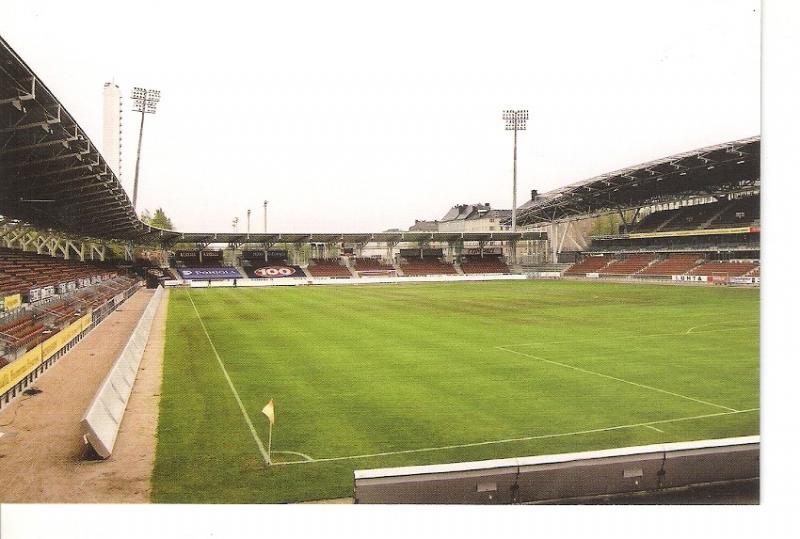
(101, 422)
(565, 476)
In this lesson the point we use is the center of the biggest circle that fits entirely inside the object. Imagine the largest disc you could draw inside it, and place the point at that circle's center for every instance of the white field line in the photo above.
(294, 453)
(690, 331)
(511, 440)
(600, 374)
(247, 420)
(654, 428)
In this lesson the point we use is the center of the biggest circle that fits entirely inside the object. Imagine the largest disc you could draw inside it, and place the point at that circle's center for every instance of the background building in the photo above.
(112, 127)
(474, 218)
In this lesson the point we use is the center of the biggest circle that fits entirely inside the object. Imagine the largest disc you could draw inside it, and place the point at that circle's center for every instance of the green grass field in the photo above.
(379, 376)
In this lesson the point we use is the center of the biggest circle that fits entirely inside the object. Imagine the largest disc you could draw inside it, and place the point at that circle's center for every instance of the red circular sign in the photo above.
(274, 271)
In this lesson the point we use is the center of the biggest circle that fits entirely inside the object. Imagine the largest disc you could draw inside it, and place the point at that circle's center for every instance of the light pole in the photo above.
(144, 101)
(248, 222)
(265, 215)
(515, 121)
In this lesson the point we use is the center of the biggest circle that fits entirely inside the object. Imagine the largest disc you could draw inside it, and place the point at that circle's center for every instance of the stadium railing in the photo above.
(17, 375)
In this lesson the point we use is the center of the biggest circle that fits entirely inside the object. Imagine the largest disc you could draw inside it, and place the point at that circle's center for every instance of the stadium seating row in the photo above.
(21, 272)
(650, 265)
(370, 264)
(320, 267)
(15, 331)
(731, 269)
(19, 332)
(627, 266)
(364, 266)
(476, 265)
(723, 214)
(590, 264)
(673, 265)
(414, 267)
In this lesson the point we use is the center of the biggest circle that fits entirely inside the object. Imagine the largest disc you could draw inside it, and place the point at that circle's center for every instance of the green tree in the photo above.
(605, 224)
(158, 219)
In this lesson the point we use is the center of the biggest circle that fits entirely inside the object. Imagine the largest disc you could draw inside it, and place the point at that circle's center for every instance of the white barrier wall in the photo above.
(101, 422)
(564, 476)
(544, 274)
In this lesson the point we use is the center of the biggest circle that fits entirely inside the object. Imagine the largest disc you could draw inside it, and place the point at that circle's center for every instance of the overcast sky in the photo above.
(365, 116)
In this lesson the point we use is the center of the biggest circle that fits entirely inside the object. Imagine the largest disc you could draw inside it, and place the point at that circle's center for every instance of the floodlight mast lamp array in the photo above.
(144, 101)
(516, 120)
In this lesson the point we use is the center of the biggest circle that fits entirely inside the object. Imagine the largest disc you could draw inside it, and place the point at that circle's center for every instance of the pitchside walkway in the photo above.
(41, 447)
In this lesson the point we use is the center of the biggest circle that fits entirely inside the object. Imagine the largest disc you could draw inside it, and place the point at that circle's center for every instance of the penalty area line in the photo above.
(690, 331)
(247, 420)
(600, 374)
(511, 440)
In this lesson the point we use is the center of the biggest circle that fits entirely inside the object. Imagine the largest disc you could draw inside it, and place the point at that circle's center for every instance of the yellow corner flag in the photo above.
(269, 411)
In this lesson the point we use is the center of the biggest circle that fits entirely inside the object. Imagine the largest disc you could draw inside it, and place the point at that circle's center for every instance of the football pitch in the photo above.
(392, 375)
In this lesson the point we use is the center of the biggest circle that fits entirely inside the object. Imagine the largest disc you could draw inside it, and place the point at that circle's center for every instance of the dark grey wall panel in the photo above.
(555, 477)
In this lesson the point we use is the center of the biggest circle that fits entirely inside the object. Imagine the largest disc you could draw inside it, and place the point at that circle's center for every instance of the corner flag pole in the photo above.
(269, 444)
(269, 411)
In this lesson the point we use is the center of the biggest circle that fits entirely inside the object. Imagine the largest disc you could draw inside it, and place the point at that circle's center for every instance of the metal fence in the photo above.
(48, 362)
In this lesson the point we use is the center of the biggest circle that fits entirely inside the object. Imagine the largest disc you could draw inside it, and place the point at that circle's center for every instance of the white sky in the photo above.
(359, 117)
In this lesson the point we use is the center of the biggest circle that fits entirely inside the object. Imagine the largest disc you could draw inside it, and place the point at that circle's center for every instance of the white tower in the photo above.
(112, 127)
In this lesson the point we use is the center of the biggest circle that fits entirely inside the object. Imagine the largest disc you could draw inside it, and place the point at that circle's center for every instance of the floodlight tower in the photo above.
(515, 121)
(265, 215)
(144, 101)
(248, 221)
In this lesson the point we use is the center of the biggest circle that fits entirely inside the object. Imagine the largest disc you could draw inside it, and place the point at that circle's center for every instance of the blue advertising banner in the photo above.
(200, 274)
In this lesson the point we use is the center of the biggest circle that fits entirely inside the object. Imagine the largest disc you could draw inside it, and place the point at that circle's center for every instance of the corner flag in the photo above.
(269, 411)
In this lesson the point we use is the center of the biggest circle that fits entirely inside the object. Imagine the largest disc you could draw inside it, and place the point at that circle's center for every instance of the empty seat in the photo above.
(414, 267)
(590, 264)
(320, 267)
(673, 265)
(627, 266)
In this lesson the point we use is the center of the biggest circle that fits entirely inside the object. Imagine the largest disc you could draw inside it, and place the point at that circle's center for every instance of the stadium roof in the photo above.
(53, 176)
(170, 237)
(713, 170)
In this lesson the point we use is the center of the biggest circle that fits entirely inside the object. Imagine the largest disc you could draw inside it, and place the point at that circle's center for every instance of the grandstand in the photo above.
(679, 217)
(37, 276)
(704, 201)
(743, 211)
